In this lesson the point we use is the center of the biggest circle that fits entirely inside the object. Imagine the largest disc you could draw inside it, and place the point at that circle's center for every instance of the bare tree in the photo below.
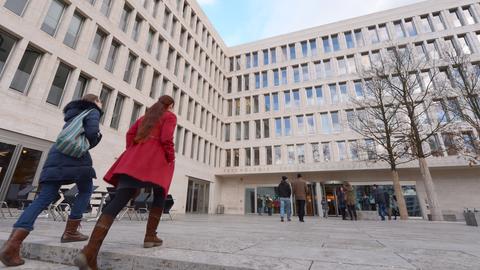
(376, 120)
(418, 85)
(463, 103)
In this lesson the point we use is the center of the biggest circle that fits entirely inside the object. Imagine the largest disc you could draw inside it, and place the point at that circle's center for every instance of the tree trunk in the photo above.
(402, 206)
(435, 210)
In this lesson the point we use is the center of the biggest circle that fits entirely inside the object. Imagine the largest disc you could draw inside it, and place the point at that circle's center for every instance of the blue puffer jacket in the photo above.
(65, 169)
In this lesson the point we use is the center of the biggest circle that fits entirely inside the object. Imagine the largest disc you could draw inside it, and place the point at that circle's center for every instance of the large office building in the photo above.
(246, 114)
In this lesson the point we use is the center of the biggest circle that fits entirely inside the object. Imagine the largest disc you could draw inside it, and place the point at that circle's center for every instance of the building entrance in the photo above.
(330, 191)
(198, 193)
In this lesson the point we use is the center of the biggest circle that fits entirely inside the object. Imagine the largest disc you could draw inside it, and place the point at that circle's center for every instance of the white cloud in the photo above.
(206, 2)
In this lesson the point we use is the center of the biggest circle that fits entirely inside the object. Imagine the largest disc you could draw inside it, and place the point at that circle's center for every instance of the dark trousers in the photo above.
(300, 209)
(352, 212)
(124, 195)
(343, 212)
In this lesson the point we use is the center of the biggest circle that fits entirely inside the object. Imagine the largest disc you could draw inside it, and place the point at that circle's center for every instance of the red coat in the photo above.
(152, 160)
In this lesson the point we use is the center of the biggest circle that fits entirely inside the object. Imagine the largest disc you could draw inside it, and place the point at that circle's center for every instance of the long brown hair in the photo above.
(91, 98)
(152, 116)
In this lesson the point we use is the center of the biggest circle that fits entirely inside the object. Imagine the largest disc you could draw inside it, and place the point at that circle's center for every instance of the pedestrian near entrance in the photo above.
(325, 208)
(147, 162)
(379, 195)
(259, 205)
(300, 189)
(62, 169)
(351, 201)
(269, 204)
(285, 192)
(342, 203)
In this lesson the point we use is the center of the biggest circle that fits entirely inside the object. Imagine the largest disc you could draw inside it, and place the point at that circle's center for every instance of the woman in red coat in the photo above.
(148, 162)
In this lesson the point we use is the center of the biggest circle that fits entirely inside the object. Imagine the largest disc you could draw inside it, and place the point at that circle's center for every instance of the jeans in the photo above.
(285, 203)
(48, 194)
(382, 210)
(300, 209)
(352, 211)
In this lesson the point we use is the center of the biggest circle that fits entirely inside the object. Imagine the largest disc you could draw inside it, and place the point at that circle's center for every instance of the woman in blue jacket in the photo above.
(61, 169)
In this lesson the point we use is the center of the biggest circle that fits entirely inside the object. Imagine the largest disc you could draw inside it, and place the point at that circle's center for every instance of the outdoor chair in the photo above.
(168, 204)
(134, 205)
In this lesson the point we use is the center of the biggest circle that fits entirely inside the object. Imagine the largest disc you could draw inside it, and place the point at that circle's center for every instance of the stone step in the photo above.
(39, 265)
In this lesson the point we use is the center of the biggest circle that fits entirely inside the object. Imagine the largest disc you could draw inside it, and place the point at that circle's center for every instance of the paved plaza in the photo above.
(254, 242)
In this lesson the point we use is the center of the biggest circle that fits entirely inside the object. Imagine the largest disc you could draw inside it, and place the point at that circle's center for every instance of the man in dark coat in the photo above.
(284, 193)
(60, 169)
(300, 190)
(380, 200)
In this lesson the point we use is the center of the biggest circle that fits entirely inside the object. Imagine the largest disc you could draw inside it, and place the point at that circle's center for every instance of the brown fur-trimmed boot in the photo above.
(10, 254)
(71, 233)
(151, 239)
(87, 258)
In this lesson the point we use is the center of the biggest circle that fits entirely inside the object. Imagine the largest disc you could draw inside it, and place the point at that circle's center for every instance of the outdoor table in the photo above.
(103, 195)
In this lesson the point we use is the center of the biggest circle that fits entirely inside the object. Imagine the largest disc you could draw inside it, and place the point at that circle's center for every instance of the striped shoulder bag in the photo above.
(72, 141)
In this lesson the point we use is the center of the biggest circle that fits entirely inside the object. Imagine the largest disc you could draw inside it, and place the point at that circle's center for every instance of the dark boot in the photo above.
(151, 239)
(71, 233)
(10, 254)
(87, 259)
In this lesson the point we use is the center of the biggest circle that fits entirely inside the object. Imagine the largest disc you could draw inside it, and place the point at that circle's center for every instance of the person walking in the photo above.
(394, 206)
(62, 169)
(269, 204)
(325, 208)
(147, 162)
(284, 193)
(259, 205)
(379, 194)
(300, 190)
(342, 203)
(351, 200)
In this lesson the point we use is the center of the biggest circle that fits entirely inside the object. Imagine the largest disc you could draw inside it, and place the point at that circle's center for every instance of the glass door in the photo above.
(249, 200)
(330, 191)
(311, 202)
(8, 158)
(198, 193)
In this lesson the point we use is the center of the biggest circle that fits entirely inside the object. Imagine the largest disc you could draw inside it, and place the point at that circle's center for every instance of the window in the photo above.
(371, 151)
(248, 156)
(136, 28)
(326, 151)
(154, 86)
(151, 34)
(96, 49)
(450, 144)
(105, 8)
(141, 75)
(26, 69)
(105, 99)
(359, 38)
(278, 154)
(342, 66)
(290, 154)
(327, 64)
(342, 150)
(432, 50)
(351, 118)
(267, 102)
(319, 94)
(255, 59)
(353, 150)
(264, 79)
(58, 86)
(425, 24)
(278, 127)
(410, 27)
(288, 126)
(326, 126)
(383, 33)
(318, 70)
(238, 131)
(255, 104)
(265, 57)
(276, 106)
(467, 15)
(80, 87)
(464, 46)
(336, 121)
(313, 47)
(326, 45)
(373, 35)
(352, 68)
(284, 76)
(266, 128)
(333, 93)
(296, 98)
(228, 161)
(16, 6)
(336, 43)
(293, 54)
(127, 11)
(54, 14)
(112, 56)
(365, 60)
(455, 18)
(248, 105)
(257, 80)
(273, 55)
(256, 156)
(359, 89)
(309, 94)
(284, 53)
(73, 31)
(305, 73)
(288, 100)
(304, 46)
(258, 129)
(399, 32)
(296, 74)
(316, 152)
(343, 92)
(246, 130)
(159, 48)
(437, 22)
(300, 125)
(349, 40)
(6, 47)
(127, 76)
(268, 150)
(237, 106)
(248, 60)
(136, 114)
(227, 132)
(276, 78)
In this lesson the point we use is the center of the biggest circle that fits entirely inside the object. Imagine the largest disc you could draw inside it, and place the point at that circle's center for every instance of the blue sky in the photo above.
(243, 21)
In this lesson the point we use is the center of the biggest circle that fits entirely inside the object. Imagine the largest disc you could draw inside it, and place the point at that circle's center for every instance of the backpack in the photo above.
(72, 141)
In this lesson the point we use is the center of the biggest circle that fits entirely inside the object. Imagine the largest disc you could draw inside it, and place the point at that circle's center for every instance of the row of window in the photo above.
(351, 64)
(408, 27)
(439, 145)
(197, 148)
